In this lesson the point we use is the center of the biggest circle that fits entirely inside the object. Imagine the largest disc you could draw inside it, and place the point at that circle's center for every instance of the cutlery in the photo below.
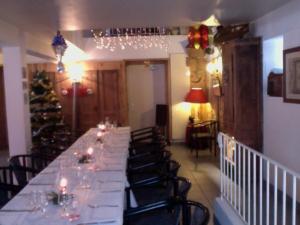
(110, 181)
(16, 210)
(110, 170)
(48, 172)
(95, 223)
(109, 191)
(94, 206)
(38, 184)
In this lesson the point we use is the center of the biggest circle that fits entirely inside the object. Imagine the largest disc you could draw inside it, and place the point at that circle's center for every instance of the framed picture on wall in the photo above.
(291, 75)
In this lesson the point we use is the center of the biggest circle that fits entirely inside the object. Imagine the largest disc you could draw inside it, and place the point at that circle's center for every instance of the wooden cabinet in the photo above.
(241, 102)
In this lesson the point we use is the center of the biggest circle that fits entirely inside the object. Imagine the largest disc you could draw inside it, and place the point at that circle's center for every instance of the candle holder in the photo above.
(87, 158)
(99, 137)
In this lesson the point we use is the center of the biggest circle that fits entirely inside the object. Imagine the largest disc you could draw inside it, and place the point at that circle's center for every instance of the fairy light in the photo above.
(136, 38)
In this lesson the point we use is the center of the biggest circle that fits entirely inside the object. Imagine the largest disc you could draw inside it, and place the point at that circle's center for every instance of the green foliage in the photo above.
(44, 105)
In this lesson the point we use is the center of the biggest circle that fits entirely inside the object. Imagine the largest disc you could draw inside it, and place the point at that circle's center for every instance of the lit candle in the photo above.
(90, 151)
(63, 184)
(101, 127)
(99, 134)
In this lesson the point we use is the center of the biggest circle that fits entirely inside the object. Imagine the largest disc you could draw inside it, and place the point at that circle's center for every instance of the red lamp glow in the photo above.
(196, 95)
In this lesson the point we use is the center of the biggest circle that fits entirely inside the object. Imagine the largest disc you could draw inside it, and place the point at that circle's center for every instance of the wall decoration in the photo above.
(198, 37)
(231, 32)
(291, 77)
(275, 84)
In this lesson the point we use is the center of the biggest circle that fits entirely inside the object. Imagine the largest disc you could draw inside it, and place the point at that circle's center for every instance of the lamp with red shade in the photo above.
(195, 95)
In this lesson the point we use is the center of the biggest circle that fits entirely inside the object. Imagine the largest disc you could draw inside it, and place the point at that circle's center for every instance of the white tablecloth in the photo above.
(107, 183)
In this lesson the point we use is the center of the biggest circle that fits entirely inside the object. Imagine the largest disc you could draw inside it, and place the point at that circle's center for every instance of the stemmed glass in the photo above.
(65, 200)
(39, 201)
(84, 178)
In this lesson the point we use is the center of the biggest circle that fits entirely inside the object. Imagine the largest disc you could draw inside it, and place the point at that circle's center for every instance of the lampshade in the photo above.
(196, 95)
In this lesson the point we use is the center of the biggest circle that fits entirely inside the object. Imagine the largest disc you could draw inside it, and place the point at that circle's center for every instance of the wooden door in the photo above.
(3, 125)
(109, 94)
(227, 104)
(248, 95)
(88, 108)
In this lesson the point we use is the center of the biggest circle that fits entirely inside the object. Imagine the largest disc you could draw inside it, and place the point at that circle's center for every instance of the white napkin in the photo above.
(12, 218)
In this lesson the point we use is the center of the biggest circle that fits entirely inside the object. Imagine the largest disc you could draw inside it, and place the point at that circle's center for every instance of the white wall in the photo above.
(180, 85)
(146, 87)
(280, 30)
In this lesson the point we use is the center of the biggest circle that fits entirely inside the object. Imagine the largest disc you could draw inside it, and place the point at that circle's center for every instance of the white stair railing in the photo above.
(259, 189)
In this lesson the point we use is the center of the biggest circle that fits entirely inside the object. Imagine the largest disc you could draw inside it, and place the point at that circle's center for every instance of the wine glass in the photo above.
(43, 201)
(34, 200)
(84, 178)
(65, 200)
(73, 210)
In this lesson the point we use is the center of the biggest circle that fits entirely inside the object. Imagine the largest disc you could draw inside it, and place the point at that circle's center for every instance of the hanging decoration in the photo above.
(198, 37)
(136, 38)
(202, 37)
(59, 46)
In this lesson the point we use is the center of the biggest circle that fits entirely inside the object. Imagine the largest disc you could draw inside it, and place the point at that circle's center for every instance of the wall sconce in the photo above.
(76, 72)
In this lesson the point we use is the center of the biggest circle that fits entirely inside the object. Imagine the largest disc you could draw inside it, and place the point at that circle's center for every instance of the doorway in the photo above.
(147, 85)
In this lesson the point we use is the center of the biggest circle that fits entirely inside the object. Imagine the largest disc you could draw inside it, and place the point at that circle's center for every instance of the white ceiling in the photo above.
(50, 15)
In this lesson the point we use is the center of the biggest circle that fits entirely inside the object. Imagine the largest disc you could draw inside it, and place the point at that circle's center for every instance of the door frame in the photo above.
(5, 145)
(166, 63)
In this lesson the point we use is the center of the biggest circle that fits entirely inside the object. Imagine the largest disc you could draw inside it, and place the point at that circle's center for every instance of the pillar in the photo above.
(17, 99)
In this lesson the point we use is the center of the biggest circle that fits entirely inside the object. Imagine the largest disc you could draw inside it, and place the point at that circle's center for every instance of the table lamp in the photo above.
(195, 95)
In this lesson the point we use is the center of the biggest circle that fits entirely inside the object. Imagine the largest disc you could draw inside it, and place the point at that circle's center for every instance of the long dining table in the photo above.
(98, 187)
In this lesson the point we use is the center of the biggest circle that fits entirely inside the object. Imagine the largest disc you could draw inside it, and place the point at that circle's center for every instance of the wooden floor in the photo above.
(202, 172)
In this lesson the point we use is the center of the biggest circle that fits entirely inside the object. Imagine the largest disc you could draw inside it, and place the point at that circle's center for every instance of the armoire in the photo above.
(241, 99)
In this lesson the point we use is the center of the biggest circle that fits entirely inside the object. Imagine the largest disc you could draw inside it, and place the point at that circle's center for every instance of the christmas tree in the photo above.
(45, 108)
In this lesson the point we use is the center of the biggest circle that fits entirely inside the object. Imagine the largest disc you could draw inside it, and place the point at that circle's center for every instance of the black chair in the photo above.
(170, 212)
(139, 171)
(146, 139)
(27, 166)
(164, 168)
(203, 134)
(7, 187)
(157, 189)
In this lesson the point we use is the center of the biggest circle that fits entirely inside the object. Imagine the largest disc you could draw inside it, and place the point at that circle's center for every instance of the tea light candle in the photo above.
(63, 185)
(101, 127)
(90, 151)
(99, 134)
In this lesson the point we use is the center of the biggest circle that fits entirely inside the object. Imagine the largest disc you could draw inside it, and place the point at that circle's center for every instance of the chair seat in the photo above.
(201, 135)
(154, 194)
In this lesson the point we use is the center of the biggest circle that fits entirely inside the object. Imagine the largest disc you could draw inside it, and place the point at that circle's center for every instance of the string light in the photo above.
(136, 38)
